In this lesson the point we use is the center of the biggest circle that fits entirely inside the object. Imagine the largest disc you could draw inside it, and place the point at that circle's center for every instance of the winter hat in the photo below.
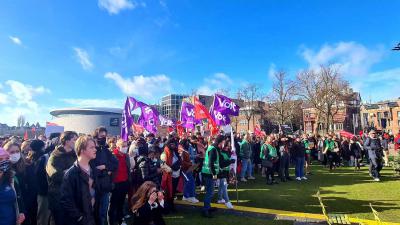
(37, 145)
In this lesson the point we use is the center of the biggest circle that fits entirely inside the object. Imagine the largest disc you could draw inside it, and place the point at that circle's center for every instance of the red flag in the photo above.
(137, 128)
(201, 112)
(26, 135)
(33, 130)
(51, 124)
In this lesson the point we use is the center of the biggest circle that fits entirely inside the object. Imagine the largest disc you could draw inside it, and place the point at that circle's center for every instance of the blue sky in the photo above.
(57, 54)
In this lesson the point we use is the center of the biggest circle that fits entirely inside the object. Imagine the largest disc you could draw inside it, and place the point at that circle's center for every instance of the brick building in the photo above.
(347, 117)
(384, 116)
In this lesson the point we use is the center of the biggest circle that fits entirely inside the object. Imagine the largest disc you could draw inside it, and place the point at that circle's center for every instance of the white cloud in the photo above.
(115, 6)
(15, 40)
(81, 102)
(19, 99)
(271, 71)
(144, 86)
(83, 58)
(215, 83)
(351, 57)
(378, 86)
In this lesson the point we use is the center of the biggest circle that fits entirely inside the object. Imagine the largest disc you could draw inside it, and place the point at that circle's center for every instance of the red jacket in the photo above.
(166, 181)
(121, 175)
(396, 146)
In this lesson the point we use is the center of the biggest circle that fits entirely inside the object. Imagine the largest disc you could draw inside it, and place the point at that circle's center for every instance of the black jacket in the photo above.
(148, 170)
(298, 149)
(76, 197)
(104, 157)
(146, 216)
(59, 162)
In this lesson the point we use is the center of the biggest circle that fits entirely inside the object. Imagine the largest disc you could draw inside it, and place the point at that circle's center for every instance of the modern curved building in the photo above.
(86, 120)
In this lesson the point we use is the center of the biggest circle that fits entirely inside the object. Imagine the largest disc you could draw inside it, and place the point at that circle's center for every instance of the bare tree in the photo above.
(21, 121)
(250, 94)
(281, 98)
(325, 90)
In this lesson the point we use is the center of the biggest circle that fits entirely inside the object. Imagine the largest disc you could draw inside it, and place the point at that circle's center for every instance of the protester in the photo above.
(246, 156)
(299, 152)
(210, 171)
(329, 152)
(306, 144)
(225, 162)
(60, 160)
(355, 153)
(189, 189)
(11, 202)
(79, 186)
(105, 164)
(385, 148)
(397, 141)
(148, 205)
(284, 160)
(373, 145)
(170, 179)
(121, 183)
(37, 182)
(268, 155)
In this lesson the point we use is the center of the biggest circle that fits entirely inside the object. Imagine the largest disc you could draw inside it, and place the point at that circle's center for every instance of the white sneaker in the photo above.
(298, 178)
(243, 179)
(222, 201)
(194, 200)
(304, 178)
(377, 179)
(251, 178)
(203, 188)
(229, 205)
(186, 199)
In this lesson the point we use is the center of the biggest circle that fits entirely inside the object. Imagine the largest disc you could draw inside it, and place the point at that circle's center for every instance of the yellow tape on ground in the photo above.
(283, 213)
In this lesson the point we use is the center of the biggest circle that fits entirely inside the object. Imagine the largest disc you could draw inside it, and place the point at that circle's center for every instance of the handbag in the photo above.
(266, 163)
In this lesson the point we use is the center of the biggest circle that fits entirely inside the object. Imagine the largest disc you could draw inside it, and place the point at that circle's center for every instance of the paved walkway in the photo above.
(281, 214)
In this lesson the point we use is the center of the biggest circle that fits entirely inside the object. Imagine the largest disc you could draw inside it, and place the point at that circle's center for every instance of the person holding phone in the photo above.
(148, 205)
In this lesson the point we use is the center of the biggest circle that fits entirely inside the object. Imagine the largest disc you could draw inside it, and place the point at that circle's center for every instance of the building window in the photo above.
(243, 122)
(386, 114)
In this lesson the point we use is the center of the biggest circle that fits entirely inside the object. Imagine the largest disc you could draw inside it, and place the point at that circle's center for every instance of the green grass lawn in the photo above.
(343, 191)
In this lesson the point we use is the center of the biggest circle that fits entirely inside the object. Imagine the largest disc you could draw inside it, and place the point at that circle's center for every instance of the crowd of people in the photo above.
(102, 179)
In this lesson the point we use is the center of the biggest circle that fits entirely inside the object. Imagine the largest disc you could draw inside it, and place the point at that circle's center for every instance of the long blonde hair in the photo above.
(141, 196)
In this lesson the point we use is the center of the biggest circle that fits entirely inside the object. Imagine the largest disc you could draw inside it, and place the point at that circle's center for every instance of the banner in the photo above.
(188, 115)
(166, 122)
(53, 128)
(127, 119)
(225, 105)
(148, 118)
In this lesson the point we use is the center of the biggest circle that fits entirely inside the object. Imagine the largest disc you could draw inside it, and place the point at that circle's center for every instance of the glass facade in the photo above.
(171, 105)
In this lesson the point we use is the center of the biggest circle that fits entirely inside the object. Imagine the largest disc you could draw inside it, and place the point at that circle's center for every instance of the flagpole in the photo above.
(235, 165)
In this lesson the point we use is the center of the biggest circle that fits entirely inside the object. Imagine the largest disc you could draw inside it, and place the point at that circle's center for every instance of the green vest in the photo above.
(206, 169)
(272, 151)
(307, 146)
(226, 157)
(330, 144)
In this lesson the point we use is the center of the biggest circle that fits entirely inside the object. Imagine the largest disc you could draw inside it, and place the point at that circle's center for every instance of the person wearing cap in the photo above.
(11, 201)
(373, 145)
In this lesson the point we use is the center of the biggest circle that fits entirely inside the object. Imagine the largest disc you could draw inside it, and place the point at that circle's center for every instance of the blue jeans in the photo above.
(223, 190)
(189, 190)
(104, 202)
(247, 166)
(299, 170)
(209, 184)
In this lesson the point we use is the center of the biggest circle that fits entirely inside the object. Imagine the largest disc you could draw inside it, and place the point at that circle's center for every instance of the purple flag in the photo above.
(166, 122)
(225, 105)
(127, 120)
(148, 118)
(219, 118)
(187, 115)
